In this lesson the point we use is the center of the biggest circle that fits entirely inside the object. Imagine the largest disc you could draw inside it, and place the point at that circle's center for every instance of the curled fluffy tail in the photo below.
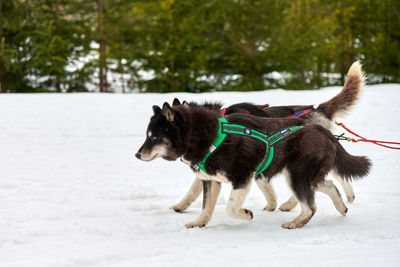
(347, 98)
(351, 167)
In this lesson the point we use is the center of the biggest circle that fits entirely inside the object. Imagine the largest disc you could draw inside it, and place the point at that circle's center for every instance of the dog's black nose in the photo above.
(138, 155)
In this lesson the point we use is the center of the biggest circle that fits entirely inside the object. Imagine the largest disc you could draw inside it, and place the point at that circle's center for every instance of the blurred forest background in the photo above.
(194, 45)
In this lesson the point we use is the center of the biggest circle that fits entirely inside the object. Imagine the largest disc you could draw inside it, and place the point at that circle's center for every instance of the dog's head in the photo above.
(164, 135)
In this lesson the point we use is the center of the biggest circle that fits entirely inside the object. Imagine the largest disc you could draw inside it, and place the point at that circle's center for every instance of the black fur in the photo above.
(308, 154)
(206, 189)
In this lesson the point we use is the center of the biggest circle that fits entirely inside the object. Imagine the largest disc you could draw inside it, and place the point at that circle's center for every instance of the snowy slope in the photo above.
(72, 193)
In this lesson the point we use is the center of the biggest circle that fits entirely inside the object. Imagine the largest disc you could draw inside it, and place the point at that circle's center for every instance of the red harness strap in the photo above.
(362, 139)
(222, 112)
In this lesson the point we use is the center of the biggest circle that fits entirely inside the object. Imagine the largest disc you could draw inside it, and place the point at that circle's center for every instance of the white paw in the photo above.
(178, 208)
(270, 207)
(286, 207)
(290, 225)
(343, 210)
(351, 198)
(248, 214)
(196, 223)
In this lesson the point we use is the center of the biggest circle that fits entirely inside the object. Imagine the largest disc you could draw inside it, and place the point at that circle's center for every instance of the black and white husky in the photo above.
(306, 156)
(323, 115)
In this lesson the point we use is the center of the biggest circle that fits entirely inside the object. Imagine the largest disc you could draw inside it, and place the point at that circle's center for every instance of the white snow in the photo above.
(73, 194)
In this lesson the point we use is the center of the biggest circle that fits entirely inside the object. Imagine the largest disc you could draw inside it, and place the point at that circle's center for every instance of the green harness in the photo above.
(225, 128)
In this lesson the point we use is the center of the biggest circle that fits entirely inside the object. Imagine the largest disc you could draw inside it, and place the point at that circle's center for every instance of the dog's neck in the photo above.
(201, 129)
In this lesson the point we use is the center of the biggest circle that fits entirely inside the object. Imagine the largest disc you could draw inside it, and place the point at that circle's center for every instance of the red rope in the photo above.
(362, 139)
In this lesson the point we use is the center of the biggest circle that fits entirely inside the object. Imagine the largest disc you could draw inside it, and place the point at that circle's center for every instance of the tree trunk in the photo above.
(57, 15)
(102, 48)
(308, 8)
(57, 10)
(58, 84)
(2, 78)
(298, 4)
(120, 68)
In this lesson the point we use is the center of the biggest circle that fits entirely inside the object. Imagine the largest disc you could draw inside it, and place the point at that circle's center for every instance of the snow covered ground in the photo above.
(73, 194)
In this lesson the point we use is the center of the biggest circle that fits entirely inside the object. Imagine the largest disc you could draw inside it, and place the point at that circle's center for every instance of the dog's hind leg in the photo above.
(236, 200)
(347, 187)
(291, 203)
(305, 195)
(307, 211)
(211, 191)
(268, 192)
(191, 195)
(331, 190)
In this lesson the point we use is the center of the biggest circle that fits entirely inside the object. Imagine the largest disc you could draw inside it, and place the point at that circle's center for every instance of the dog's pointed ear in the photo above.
(156, 109)
(176, 102)
(185, 104)
(168, 112)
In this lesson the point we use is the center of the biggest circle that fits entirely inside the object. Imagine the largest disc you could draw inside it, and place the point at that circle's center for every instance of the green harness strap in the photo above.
(225, 128)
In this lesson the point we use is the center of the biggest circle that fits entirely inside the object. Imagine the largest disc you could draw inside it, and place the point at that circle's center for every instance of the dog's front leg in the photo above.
(236, 200)
(269, 193)
(211, 191)
(190, 196)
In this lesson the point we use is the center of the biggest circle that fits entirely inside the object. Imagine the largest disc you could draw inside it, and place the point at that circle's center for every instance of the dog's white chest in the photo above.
(219, 177)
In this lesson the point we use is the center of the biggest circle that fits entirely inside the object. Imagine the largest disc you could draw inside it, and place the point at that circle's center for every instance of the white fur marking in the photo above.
(269, 193)
(347, 187)
(207, 211)
(156, 152)
(219, 177)
(290, 204)
(302, 219)
(185, 161)
(191, 195)
(330, 189)
(236, 200)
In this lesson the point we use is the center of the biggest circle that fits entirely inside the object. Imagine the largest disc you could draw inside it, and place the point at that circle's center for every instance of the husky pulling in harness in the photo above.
(323, 115)
(306, 155)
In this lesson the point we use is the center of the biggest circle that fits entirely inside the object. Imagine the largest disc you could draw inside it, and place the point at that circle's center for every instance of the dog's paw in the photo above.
(287, 206)
(291, 225)
(178, 208)
(344, 210)
(196, 223)
(270, 207)
(351, 198)
(341, 207)
(249, 214)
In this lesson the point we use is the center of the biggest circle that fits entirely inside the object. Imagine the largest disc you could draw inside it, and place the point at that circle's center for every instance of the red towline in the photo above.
(362, 139)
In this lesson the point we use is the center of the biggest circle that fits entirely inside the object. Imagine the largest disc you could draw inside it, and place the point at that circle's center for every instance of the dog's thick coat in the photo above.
(322, 115)
(307, 156)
